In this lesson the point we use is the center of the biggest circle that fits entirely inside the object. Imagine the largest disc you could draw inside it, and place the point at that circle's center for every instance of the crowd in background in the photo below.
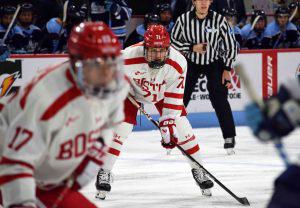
(43, 26)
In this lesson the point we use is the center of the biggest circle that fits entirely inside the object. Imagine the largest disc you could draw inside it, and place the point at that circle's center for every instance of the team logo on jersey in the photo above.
(235, 81)
(12, 72)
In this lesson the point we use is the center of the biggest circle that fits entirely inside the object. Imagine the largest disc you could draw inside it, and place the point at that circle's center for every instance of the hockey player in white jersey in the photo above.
(157, 74)
(52, 144)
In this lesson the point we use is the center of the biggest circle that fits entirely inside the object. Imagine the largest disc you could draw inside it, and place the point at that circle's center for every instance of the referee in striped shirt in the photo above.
(200, 34)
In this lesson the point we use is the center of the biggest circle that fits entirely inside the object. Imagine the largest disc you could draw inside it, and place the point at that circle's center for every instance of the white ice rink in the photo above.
(145, 177)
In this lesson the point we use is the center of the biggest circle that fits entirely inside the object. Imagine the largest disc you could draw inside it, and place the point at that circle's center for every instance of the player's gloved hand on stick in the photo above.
(4, 53)
(168, 132)
(278, 118)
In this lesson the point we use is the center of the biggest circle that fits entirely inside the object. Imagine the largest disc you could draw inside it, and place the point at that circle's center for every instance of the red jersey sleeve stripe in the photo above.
(61, 102)
(114, 151)
(172, 106)
(7, 161)
(175, 65)
(137, 60)
(173, 95)
(8, 178)
(1, 107)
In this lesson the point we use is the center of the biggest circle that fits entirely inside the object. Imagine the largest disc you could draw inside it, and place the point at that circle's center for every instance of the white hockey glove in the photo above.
(168, 132)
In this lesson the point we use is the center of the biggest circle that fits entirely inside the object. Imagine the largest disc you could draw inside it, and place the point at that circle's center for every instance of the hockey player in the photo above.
(165, 14)
(279, 117)
(253, 34)
(56, 33)
(15, 39)
(281, 33)
(138, 34)
(52, 146)
(230, 15)
(114, 13)
(157, 75)
(32, 33)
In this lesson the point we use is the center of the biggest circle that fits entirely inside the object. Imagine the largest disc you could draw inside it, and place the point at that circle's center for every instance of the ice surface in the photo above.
(145, 177)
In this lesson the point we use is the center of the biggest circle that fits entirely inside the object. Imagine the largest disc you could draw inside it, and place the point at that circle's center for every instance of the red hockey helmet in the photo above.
(156, 45)
(91, 40)
(96, 60)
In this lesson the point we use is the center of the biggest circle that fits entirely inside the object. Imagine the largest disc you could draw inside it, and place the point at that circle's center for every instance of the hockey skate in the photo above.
(103, 180)
(229, 145)
(203, 181)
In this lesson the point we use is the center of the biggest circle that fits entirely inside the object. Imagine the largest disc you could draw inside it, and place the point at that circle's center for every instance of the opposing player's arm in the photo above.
(23, 148)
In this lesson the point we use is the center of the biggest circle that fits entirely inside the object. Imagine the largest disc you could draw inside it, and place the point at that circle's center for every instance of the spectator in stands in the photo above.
(32, 33)
(15, 38)
(114, 13)
(238, 5)
(230, 15)
(254, 32)
(165, 14)
(281, 33)
(56, 31)
(138, 34)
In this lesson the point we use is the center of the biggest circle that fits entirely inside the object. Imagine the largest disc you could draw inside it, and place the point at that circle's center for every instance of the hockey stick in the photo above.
(293, 14)
(242, 200)
(11, 24)
(254, 97)
(251, 29)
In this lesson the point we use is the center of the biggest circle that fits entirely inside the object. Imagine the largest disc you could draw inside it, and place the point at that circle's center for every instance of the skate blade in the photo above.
(101, 195)
(230, 151)
(206, 192)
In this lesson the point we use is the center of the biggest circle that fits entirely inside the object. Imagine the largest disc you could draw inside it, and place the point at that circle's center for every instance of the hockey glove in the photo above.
(4, 53)
(168, 132)
(279, 117)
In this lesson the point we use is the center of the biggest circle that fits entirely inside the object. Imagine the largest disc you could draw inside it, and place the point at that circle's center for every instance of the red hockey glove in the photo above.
(168, 132)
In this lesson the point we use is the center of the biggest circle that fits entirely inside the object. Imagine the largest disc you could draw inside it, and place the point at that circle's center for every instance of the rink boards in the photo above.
(265, 68)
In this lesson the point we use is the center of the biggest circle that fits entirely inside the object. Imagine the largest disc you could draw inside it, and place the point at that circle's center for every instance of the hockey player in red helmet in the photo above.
(156, 46)
(95, 67)
(157, 74)
(51, 145)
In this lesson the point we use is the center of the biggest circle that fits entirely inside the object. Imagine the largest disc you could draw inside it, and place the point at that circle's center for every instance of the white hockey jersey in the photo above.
(51, 128)
(153, 85)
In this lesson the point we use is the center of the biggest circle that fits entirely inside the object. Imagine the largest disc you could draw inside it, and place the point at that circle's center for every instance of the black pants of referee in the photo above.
(217, 93)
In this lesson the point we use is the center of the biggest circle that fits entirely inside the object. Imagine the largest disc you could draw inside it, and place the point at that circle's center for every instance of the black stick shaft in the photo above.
(242, 200)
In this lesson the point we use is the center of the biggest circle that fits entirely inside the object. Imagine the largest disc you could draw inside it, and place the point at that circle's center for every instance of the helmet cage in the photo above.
(98, 91)
(156, 63)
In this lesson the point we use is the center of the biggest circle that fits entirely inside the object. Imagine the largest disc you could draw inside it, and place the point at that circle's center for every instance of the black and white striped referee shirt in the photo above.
(213, 30)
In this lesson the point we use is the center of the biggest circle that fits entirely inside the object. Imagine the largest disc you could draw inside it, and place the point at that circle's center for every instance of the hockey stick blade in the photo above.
(242, 200)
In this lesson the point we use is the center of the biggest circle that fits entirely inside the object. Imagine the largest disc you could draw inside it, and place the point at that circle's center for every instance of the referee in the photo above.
(199, 34)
